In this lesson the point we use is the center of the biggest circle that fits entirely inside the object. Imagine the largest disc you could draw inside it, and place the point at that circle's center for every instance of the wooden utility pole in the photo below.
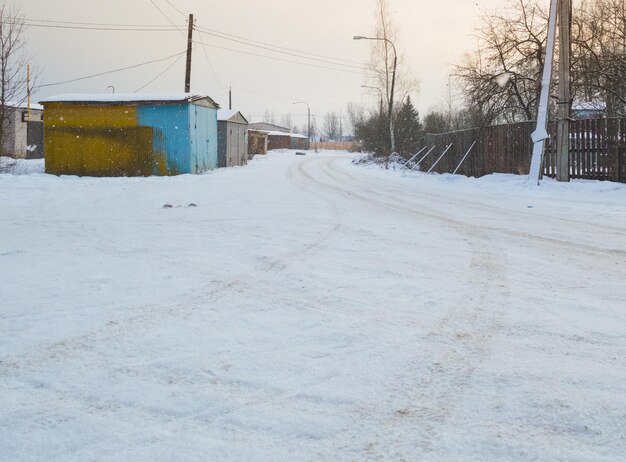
(563, 161)
(189, 47)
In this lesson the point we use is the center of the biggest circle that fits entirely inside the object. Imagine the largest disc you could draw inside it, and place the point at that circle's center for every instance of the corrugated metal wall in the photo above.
(129, 140)
(171, 137)
(233, 144)
(203, 123)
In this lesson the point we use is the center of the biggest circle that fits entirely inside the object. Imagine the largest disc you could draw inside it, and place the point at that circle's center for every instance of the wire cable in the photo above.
(227, 36)
(134, 66)
(102, 28)
(286, 60)
(301, 56)
(165, 16)
(173, 6)
(161, 73)
(206, 54)
(205, 30)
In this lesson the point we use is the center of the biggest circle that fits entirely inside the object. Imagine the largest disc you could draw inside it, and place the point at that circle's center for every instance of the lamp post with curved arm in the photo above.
(308, 108)
(393, 84)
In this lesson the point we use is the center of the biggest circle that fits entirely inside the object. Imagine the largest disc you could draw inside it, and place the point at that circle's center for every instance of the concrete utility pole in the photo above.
(230, 98)
(540, 135)
(189, 47)
(393, 85)
(565, 18)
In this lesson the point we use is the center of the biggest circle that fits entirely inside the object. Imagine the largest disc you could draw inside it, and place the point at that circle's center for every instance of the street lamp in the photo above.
(393, 83)
(381, 95)
(308, 108)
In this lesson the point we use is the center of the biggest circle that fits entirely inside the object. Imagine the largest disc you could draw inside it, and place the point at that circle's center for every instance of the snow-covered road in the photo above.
(309, 309)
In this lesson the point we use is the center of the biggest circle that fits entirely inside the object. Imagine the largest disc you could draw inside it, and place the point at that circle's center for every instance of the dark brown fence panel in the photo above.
(597, 150)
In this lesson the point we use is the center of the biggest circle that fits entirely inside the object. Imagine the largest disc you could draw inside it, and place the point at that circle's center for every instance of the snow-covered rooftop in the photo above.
(588, 106)
(124, 97)
(24, 105)
(224, 115)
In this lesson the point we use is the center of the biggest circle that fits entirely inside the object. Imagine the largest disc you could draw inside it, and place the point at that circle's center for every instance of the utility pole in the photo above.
(563, 168)
(28, 91)
(189, 47)
(393, 85)
(230, 98)
(540, 135)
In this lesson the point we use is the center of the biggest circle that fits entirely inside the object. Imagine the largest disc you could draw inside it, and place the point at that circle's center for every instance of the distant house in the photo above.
(23, 137)
(130, 134)
(588, 110)
(232, 135)
(279, 137)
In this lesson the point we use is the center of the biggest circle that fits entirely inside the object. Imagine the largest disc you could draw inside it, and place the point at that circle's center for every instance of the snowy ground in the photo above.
(309, 309)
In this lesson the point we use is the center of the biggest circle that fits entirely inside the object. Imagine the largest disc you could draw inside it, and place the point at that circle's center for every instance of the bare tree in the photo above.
(382, 58)
(331, 126)
(13, 62)
(600, 53)
(500, 79)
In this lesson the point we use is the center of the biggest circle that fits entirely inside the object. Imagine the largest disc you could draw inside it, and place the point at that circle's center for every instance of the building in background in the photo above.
(278, 140)
(299, 142)
(23, 137)
(130, 134)
(588, 110)
(232, 135)
(267, 127)
(257, 142)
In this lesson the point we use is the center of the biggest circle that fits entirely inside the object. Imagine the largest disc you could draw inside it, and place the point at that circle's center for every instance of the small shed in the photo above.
(130, 134)
(232, 136)
(23, 132)
(300, 142)
(278, 140)
(257, 142)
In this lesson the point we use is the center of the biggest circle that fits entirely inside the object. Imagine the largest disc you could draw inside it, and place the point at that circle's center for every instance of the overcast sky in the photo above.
(432, 36)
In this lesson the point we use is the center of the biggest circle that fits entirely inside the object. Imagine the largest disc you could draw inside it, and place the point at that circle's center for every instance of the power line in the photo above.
(112, 71)
(227, 36)
(286, 52)
(52, 21)
(161, 73)
(285, 60)
(205, 30)
(101, 28)
(206, 54)
(165, 16)
(173, 6)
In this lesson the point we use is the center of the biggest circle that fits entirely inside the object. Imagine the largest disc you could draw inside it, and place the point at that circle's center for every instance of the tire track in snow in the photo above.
(591, 229)
(149, 314)
(456, 346)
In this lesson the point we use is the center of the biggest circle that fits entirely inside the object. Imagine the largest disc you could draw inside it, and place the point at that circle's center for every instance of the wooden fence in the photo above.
(597, 150)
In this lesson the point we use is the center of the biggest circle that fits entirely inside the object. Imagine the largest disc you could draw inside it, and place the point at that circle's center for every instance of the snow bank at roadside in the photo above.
(500, 183)
(21, 166)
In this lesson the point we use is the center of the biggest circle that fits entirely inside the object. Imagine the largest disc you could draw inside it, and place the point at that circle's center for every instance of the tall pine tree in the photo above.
(408, 129)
